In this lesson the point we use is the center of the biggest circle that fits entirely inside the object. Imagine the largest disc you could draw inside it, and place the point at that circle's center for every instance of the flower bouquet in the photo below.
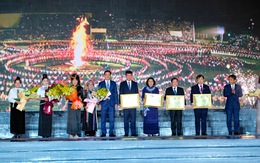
(102, 94)
(53, 94)
(25, 95)
(31, 93)
(97, 96)
(70, 93)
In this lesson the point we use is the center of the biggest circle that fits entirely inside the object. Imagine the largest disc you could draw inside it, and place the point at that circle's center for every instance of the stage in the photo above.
(244, 148)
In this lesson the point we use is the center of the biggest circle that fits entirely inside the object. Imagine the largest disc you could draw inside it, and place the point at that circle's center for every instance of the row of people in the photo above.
(150, 124)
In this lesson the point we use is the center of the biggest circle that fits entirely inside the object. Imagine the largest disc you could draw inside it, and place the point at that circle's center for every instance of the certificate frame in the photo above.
(175, 102)
(153, 100)
(129, 101)
(254, 93)
(201, 101)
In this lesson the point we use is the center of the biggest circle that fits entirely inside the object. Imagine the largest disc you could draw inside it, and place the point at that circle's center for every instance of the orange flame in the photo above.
(80, 42)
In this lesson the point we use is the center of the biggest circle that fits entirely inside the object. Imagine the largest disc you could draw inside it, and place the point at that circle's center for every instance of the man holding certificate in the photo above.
(129, 87)
(200, 113)
(176, 115)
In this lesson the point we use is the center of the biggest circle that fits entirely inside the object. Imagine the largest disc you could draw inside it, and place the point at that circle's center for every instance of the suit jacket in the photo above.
(114, 94)
(196, 90)
(232, 99)
(169, 91)
(123, 88)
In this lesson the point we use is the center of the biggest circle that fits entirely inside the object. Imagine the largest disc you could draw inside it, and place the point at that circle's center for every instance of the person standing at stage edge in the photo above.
(176, 115)
(129, 87)
(45, 120)
(232, 91)
(108, 105)
(200, 113)
(258, 107)
(17, 117)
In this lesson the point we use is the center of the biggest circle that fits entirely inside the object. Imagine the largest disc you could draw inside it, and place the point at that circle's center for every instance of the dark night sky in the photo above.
(233, 14)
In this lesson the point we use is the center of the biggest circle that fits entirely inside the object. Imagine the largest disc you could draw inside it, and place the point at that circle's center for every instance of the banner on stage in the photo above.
(202, 101)
(129, 101)
(153, 100)
(175, 102)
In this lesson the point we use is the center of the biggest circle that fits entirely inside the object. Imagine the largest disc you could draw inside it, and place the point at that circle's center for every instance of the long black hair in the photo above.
(75, 76)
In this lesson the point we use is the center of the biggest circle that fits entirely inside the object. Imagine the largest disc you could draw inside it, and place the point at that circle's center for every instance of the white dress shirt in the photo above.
(13, 94)
(41, 91)
(107, 83)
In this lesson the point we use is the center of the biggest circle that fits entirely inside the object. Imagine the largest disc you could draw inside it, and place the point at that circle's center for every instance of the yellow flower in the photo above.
(30, 91)
(56, 91)
(101, 93)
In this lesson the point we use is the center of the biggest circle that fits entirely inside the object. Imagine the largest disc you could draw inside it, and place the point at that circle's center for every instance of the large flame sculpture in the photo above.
(80, 42)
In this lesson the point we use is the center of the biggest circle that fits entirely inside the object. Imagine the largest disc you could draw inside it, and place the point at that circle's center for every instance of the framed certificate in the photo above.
(175, 102)
(153, 100)
(254, 93)
(202, 101)
(129, 101)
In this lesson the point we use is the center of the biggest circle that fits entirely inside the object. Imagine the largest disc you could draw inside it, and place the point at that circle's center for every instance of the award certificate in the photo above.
(175, 102)
(129, 101)
(153, 100)
(202, 101)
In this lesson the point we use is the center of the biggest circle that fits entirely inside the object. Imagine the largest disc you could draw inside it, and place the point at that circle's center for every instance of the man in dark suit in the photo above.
(200, 113)
(108, 105)
(129, 87)
(232, 91)
(176, 115)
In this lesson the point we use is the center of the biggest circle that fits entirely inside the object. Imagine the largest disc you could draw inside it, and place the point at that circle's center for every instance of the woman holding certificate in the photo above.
(151, 124)
(89, 124)
(17, 117)
(45, 120)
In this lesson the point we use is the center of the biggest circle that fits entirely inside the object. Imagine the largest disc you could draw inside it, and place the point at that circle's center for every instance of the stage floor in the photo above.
(244, 148)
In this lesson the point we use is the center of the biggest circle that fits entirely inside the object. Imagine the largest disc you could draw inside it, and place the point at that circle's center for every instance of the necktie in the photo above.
(17, 94)
(129, 86)
(107, 85)
(201, 89)
(174, 90)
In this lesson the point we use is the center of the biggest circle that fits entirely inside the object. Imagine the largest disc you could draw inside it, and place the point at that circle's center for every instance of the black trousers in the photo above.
(176, 122)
